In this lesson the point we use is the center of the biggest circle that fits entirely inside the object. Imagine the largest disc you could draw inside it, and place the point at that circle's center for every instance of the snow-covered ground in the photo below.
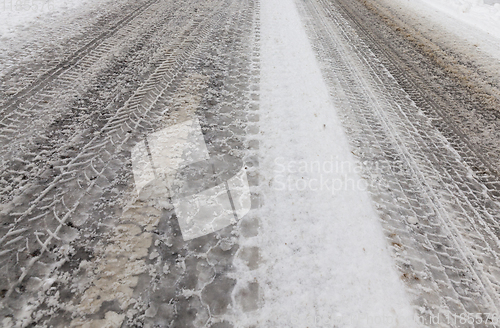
(476, 22)
(481, 14)
(327, 262)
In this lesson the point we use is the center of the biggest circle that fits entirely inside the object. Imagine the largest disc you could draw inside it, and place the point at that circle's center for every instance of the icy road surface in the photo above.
(242, 164)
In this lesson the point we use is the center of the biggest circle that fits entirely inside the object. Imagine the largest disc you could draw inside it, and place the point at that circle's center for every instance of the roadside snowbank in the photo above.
(480, 14)
(326, 261)
(468, 29)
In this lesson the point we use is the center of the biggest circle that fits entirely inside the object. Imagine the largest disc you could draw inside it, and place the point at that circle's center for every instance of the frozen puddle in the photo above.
(326, 262)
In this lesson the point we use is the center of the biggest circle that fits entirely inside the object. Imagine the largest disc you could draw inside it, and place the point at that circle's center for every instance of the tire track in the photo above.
(88, 174)
(51, 74)
(90, 168)
(18, 156)
(40, 101)
(434, 105)
(443, 236)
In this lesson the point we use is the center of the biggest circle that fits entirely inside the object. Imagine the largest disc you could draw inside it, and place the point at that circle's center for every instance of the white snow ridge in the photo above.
(327, 263)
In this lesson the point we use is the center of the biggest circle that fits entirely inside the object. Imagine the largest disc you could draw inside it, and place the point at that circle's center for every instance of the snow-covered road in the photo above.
(249, 164)
(431, 181)
(326, 260)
